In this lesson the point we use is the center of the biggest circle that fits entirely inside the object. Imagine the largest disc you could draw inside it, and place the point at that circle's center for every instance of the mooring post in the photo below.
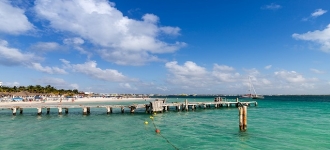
(66, 110)
(21, 110)
(60, 110)
(245, 117)
(186, 105)
(242, 117)
(108, 110)
(85, 111)
(132, 109)
(48, 110)
(14, 111)
(39, 111)
(88, 110)
(122, 110)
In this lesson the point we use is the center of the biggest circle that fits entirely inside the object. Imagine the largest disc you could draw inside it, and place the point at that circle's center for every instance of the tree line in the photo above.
(38, 89)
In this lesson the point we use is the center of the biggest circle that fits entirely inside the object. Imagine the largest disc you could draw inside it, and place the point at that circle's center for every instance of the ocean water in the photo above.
(278, 122)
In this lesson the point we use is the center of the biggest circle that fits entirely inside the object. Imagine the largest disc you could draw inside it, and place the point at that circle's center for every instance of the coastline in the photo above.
(73, 100)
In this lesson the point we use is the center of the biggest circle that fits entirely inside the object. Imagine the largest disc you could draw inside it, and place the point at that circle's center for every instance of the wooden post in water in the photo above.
(242, 117)
(21, 110)
(186, 105)
(39, 111)
(88, 110)
(60, 110)
(108, 109)
(122, 110)
(85, 111)
(48, 110)
(14, 111)
(66, 110)
(132, 109)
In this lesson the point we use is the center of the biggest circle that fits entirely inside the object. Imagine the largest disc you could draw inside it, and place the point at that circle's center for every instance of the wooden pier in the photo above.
(151, 107)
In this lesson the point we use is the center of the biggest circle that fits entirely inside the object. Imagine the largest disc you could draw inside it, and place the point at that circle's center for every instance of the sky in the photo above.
(167, 46)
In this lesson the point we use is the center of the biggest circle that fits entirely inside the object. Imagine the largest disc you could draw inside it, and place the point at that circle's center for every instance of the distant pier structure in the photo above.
(156, 105)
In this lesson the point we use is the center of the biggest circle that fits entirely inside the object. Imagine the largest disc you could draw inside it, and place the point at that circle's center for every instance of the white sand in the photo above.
(87, 100)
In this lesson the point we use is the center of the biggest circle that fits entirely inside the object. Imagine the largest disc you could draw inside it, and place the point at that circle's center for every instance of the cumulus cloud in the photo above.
(46, 69)
(13, 57)
(13, 20)
(77, 43)
(321, 37)
(89, 68)
(109, 28)
(272, 6)
(225, 73)
(189, 74)
(290, 76)
(57, 82)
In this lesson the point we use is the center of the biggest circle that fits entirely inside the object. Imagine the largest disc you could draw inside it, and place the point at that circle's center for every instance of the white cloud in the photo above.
(188, 74)
(13, 20)
(12, 56)
(45, 46)
(89, 68)
(320, 37)
(108, 28)
(317, 71)
(315, 14)
(58, 83)
(268, 67)
(77, 43)
(49, 70)
(272, 6)
(318, 12)
(225, 73)
(11, 84)
(290, 76)
(127, 86)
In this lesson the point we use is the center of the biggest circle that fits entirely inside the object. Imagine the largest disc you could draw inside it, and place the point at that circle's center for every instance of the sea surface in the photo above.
(278, 122)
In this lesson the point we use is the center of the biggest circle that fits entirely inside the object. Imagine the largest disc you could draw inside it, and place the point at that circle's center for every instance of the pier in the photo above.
(151, 107)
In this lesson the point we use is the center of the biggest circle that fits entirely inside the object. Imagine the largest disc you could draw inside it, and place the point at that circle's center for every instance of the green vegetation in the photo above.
(39, 89)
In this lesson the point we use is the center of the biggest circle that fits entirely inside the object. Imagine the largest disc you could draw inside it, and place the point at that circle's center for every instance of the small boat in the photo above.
(254, 95)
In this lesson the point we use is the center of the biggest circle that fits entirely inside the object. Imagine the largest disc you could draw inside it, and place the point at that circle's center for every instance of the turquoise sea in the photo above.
(278, 122)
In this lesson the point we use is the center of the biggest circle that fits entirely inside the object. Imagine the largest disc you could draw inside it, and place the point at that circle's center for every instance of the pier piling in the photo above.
(14, 111)
(48, 110)
(85, 111)
(39, 110)
(60, 110)
(20, 110)
(242, 109)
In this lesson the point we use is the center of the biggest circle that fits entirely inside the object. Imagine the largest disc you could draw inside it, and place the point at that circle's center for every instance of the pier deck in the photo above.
(153, 106)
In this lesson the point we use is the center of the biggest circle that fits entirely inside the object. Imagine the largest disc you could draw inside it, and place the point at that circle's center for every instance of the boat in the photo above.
(254, 95)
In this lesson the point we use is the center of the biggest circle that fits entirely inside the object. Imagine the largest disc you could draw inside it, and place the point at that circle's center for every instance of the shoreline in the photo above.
(78, 100)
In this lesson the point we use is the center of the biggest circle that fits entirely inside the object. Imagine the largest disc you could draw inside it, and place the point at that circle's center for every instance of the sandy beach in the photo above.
(74, 101)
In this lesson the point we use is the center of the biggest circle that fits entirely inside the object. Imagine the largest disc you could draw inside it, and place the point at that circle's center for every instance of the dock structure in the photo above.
(151, 107)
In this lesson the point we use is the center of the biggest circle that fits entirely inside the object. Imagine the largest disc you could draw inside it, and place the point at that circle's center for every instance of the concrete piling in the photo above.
(60, 110)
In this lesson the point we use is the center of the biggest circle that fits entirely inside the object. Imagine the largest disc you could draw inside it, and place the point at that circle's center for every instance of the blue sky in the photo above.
(167, 46)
